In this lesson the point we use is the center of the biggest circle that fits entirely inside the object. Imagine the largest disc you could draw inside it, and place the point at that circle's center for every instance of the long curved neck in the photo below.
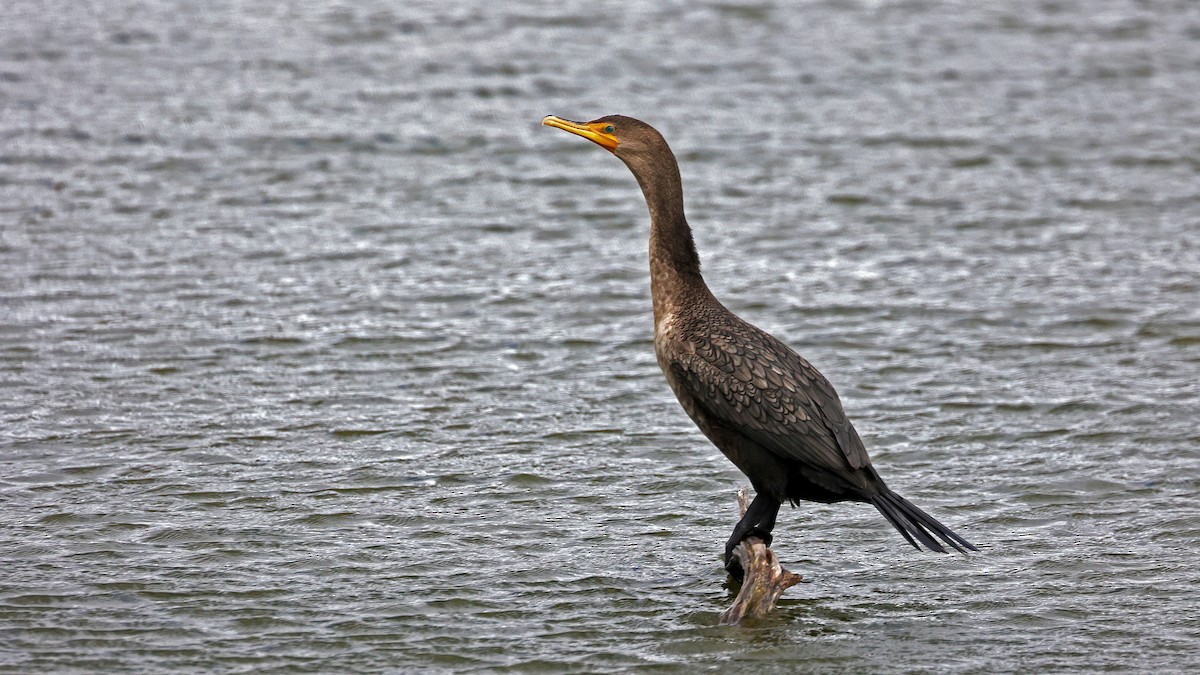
(674, 263)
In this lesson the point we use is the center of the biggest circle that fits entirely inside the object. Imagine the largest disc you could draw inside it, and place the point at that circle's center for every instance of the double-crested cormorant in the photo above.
(766, 408)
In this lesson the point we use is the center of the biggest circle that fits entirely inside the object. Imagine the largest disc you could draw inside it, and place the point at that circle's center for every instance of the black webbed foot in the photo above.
(766, 536)
(732, 566)
(758, 521)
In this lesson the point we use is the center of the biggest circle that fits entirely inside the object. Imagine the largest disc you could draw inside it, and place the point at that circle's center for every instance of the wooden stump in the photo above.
(763, 581)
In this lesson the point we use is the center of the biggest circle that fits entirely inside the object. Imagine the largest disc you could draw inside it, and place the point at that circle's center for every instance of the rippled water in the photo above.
(318, 353)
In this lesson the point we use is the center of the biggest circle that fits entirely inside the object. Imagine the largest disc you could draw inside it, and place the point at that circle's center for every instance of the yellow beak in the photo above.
(593, 131)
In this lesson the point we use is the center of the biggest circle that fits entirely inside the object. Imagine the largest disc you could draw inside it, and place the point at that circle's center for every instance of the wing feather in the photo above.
(753, 382)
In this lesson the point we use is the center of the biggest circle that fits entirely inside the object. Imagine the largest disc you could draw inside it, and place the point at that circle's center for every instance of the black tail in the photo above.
(913, 522)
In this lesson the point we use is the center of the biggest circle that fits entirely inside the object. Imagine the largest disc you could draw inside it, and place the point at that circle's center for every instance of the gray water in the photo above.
(318, 353)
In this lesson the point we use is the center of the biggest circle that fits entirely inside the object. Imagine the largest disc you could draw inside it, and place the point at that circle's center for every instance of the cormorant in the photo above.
(766, 408)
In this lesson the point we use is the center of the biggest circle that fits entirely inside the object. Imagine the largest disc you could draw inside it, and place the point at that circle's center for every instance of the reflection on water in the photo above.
(319, 353)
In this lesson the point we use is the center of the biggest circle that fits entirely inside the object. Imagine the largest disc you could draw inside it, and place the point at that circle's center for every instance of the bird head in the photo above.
(633, 141)
(624, 137)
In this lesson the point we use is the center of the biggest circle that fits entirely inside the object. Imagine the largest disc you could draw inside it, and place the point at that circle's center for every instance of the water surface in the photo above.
(318, 353)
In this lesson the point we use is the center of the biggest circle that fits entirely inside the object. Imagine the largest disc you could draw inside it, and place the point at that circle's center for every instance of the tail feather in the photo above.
(900, 527)
(912, 522)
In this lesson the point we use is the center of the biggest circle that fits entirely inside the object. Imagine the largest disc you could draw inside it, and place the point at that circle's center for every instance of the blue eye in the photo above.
(608, 129)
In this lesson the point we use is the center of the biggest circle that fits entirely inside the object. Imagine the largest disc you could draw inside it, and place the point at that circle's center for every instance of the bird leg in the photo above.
(758, 521)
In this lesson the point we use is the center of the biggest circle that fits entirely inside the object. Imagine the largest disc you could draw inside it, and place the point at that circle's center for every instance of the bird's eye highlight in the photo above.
(608, 129)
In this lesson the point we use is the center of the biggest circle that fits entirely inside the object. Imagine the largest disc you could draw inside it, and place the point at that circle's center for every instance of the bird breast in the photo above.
(663, 326)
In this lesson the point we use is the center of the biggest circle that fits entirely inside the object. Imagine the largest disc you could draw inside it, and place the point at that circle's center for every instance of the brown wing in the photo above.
(757, 385)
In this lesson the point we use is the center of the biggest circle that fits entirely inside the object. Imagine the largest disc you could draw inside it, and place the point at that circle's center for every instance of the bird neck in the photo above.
(674, 263)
